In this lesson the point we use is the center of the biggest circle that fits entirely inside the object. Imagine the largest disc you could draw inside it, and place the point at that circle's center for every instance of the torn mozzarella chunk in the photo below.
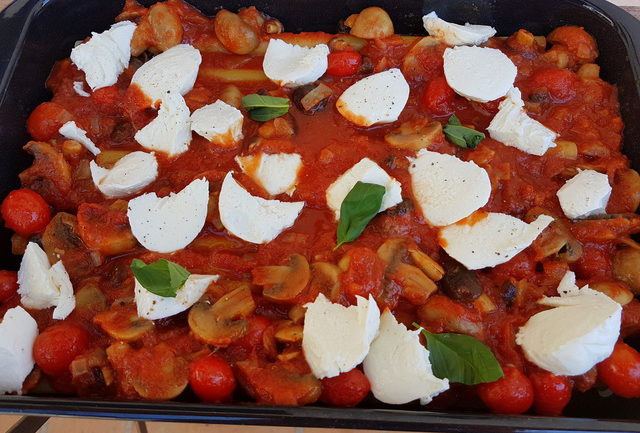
(173, 71)
(251, 218)
(42, 285)
(292, 65)
(456, 34)
(153, 307)
(365, 171)
(170, 223)
(585, 194)
(337, 338)
(378, 98)
(446, 188)
(479, 74)
(71, 131)
(580, 330)
(103, 57)
(78, 87)
(18, 332)
(276, 173)
(220, 123)
(494, 239)
(170, 131)
(129, 175)
(398, 366)
(513, 127)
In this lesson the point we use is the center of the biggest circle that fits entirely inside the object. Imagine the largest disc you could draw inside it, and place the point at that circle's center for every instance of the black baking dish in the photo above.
(36, 33)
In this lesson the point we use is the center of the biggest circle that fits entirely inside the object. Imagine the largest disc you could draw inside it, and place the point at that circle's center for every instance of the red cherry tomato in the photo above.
(346, 390)
(343, 63)
(253, 337)
(45, 121)
(25, 212)
(513, 394)
(438, 97)
(58, 345)
(560, 83)
(551, 393)
(621, 371)
(8, 284)
(212, 379)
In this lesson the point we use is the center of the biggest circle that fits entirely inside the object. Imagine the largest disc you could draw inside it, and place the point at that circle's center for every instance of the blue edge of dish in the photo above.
(36, 33)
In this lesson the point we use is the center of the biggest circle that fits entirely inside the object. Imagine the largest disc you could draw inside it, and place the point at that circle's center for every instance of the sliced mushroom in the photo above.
(451, 316)
(272, 27)
(415, 135)
(393, 251)
(484, 304)
(558, 241)
(160, 374)
(283, 283)
(312, 98)
(626, 267)
(288, 332)
(122, 323)
(280, 127)
(325, 279)
(460, 284)
(616, 290)
(49, 175)
(370, 23)
(289, 354)
(297, 312)
(416, 286)
(89, 299)
(106, 228)
(222, 323)
(346, 42)
(427, 264)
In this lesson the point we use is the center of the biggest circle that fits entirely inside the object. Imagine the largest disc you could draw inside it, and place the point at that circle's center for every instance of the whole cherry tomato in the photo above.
(25, 212)
(45, 121)
(438, 97)
(344, 63)
(212, 379)
(621, 371)
(551, 393)
(346, 390)
(57, 346)
(513, 394)
(559, 83)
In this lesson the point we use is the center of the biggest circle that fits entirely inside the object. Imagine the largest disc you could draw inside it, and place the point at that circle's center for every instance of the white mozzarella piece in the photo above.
(292, 65)
(446, 188)
(153, 307)
(170, 223)
(494, 239)
(513, 127)
(170, 131)
(43, 286)
(220, 123)
(579, 332)
(251, 218)
(337, 338)
(78, 87)
(173, 71)
(18, 332)
(365, 171)
(585, 194)
(276, 173)
(105, 55)
(398, 366)
(73, 132)
(378, 98)
(129, 175)
(479, 74)
(456, 34)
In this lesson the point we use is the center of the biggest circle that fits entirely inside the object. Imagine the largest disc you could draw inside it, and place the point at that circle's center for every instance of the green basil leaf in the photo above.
(461, 135)
(461, 358)
(264, 107)
(162, 278)
(358, 208)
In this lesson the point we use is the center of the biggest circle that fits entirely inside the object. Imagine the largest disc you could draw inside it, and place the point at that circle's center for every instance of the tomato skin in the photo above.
(212, 379)
(551, 393)
(345, 390)
(438, 97)
(253, 337)
(58, 345)
(344, 63)
(25, 212)
(621, 371)
(364, 275)
(513, 394)
(560, 83)
(8, 284)
(45, 121)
